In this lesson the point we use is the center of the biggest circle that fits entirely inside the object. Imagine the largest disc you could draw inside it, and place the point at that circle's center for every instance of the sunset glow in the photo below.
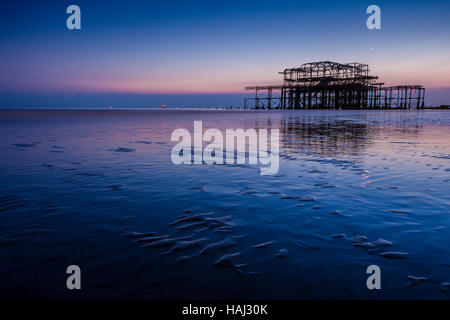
(212, 48)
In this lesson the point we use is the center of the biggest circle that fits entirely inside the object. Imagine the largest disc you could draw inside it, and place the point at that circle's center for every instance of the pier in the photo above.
(333, 85)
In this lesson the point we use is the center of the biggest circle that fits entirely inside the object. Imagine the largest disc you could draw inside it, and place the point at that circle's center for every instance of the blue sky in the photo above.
(147, 49)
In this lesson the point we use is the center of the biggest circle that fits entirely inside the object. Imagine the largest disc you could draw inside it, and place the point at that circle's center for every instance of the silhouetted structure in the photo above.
(332, 85)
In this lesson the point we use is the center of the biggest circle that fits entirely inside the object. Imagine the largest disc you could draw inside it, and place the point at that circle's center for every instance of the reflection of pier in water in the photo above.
(323, 137)
(332, 85)
(331, 136)
(334, 137)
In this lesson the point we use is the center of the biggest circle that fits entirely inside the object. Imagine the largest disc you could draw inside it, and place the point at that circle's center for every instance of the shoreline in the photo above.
(208, 109)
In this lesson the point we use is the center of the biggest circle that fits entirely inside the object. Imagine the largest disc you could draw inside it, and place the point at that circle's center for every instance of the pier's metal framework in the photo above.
(333, 85)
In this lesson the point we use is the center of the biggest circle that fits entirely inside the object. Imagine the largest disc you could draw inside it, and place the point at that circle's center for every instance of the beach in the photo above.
(98, 189)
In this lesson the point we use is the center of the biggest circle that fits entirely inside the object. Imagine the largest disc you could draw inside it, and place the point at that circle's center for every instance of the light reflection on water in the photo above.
(74, 183)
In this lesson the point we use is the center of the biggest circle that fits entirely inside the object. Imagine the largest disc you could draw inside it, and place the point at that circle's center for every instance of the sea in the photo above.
(99, 189)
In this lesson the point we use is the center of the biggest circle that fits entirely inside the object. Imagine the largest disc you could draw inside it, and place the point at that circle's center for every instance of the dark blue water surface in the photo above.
(75, 184)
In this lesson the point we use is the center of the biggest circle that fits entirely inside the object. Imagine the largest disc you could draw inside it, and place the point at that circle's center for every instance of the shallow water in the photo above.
(74, 184)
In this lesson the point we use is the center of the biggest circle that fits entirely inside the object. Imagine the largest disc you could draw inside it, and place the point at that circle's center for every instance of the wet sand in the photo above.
(97, 188)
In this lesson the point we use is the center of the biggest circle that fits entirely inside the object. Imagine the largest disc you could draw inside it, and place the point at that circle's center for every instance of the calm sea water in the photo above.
(74, 185)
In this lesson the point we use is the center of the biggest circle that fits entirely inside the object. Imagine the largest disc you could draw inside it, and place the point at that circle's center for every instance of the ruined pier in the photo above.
(333, 85)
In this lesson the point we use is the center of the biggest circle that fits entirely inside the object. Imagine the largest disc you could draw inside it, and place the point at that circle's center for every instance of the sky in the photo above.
(203, 53)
